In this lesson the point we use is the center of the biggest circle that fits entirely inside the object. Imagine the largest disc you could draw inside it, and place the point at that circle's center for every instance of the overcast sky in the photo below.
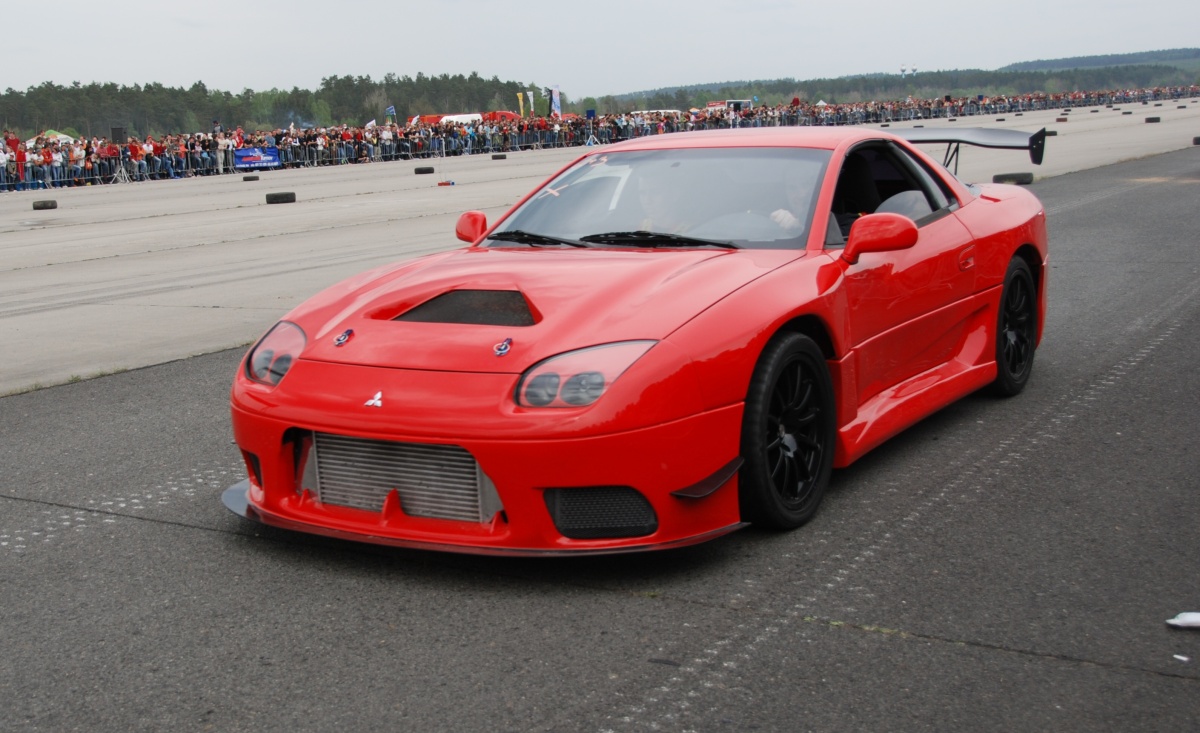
(588, 49)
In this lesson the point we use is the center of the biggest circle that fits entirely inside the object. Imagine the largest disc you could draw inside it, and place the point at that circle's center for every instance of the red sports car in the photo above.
(671, 338)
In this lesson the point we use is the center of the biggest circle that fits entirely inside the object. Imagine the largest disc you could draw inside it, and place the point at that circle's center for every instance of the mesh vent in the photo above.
(475, 307)
(601, 512)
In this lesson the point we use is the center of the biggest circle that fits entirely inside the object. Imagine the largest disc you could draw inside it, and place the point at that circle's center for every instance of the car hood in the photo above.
(510, 308)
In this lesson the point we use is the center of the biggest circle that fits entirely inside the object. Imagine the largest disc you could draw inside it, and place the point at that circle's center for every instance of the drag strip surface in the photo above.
(1004, 565)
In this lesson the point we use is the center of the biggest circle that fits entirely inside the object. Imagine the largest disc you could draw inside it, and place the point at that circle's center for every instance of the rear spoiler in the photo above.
(980, 137)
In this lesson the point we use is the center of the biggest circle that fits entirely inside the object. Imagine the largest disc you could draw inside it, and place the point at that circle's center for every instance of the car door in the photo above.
(908, 310)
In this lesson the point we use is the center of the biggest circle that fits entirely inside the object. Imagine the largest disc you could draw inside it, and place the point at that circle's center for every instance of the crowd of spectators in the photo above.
(49, 162)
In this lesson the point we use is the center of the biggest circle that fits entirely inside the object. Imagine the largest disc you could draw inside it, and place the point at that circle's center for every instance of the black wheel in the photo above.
(44, 205)
(1016, 331)
(788, 433)
(286, 197)
(422, 170)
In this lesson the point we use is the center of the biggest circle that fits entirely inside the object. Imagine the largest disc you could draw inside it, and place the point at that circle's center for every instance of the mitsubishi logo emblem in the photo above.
(376, 401)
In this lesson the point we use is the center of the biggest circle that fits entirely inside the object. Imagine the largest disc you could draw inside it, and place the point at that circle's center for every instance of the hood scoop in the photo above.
(474, 307)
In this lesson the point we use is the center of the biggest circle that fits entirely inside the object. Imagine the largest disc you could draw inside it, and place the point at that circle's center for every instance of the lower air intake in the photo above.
(601, 512)
(436, 481)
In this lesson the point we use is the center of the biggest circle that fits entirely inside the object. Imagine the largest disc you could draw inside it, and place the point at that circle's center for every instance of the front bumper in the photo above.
(685, 470)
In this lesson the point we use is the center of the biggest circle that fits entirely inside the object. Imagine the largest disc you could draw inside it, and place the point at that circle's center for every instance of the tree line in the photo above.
(154, 109)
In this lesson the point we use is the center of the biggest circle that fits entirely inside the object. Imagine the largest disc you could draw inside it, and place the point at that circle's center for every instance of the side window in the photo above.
(939, 193)
(875, 179)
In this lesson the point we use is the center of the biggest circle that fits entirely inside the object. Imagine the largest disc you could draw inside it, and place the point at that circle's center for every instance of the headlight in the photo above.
(578, 378)
(274, 354)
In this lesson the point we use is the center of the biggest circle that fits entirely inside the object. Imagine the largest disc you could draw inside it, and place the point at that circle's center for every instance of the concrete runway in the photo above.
(120, 277)
(1005, 565)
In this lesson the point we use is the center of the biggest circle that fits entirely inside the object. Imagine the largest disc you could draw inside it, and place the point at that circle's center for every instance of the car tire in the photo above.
(249, 178)
(285, 197)
(1016, 330)
(423, 170)
(44, 205)
(1020, 179)
(788, 431)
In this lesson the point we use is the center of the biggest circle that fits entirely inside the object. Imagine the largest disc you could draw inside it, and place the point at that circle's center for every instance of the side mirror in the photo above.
(879, 233)
(471, 226)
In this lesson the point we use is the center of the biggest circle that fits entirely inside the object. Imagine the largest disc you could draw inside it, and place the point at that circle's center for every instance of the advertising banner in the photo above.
(256, 158)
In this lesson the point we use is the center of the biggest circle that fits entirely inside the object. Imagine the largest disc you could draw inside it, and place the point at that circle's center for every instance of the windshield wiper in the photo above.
(642, 238)
(535, 240)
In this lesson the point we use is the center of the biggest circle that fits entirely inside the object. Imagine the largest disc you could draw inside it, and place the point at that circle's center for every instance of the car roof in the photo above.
(822, 138)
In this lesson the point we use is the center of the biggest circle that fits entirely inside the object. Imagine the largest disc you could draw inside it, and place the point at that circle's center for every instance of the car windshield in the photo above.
(713, 197)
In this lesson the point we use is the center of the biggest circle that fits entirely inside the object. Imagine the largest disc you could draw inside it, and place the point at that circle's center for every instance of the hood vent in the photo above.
(474, 307)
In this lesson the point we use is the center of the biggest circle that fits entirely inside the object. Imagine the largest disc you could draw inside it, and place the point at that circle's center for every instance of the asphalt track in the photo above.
(1004, 565)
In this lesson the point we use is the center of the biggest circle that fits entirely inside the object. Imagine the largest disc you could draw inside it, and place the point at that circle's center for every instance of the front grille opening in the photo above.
(601, 512)
(434, 481)
(474, 307)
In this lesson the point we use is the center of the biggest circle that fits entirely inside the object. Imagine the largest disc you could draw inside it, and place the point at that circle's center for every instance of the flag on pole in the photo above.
(521, 103)
(530, 95)
(391, 110)
(555, 102)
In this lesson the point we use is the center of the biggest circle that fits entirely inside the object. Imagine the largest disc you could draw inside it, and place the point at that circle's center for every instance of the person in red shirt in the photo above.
(137, 158)
(20, 157)
(47, 166)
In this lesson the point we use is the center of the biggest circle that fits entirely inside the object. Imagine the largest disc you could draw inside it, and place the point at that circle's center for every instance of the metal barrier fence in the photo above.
(196, 157)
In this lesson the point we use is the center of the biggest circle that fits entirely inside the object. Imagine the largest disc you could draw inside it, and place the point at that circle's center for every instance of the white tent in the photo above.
(51, 135)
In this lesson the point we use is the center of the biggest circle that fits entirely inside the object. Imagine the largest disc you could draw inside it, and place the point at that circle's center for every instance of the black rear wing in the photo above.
(980, 137)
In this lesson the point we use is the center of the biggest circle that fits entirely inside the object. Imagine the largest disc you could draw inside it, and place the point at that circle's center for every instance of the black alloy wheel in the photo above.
(788, 433)
(1016, 332)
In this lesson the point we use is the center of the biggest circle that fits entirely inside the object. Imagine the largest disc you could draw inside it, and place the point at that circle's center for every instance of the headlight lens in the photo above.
(578, 378)
(273, 355)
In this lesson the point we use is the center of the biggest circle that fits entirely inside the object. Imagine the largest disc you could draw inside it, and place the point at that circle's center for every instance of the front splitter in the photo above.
(236, 499)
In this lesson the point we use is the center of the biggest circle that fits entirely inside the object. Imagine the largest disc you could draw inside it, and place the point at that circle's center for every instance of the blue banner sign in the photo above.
(256, 158)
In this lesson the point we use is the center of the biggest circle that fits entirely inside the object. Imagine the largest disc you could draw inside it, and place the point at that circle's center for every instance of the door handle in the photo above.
(966, 258)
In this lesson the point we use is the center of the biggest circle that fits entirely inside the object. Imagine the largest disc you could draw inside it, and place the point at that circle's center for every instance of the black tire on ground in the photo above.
(1094, 111)
(499, 156)
(249, 178)
(287, 197)
(1153, 119)
(423, 169)
(788, 432)
(1060, 119)
(999, 119)
(1019, 114)
(918, 126)
(1127, 112)
(1016, 330)
(43, 205)
(1021, 179)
